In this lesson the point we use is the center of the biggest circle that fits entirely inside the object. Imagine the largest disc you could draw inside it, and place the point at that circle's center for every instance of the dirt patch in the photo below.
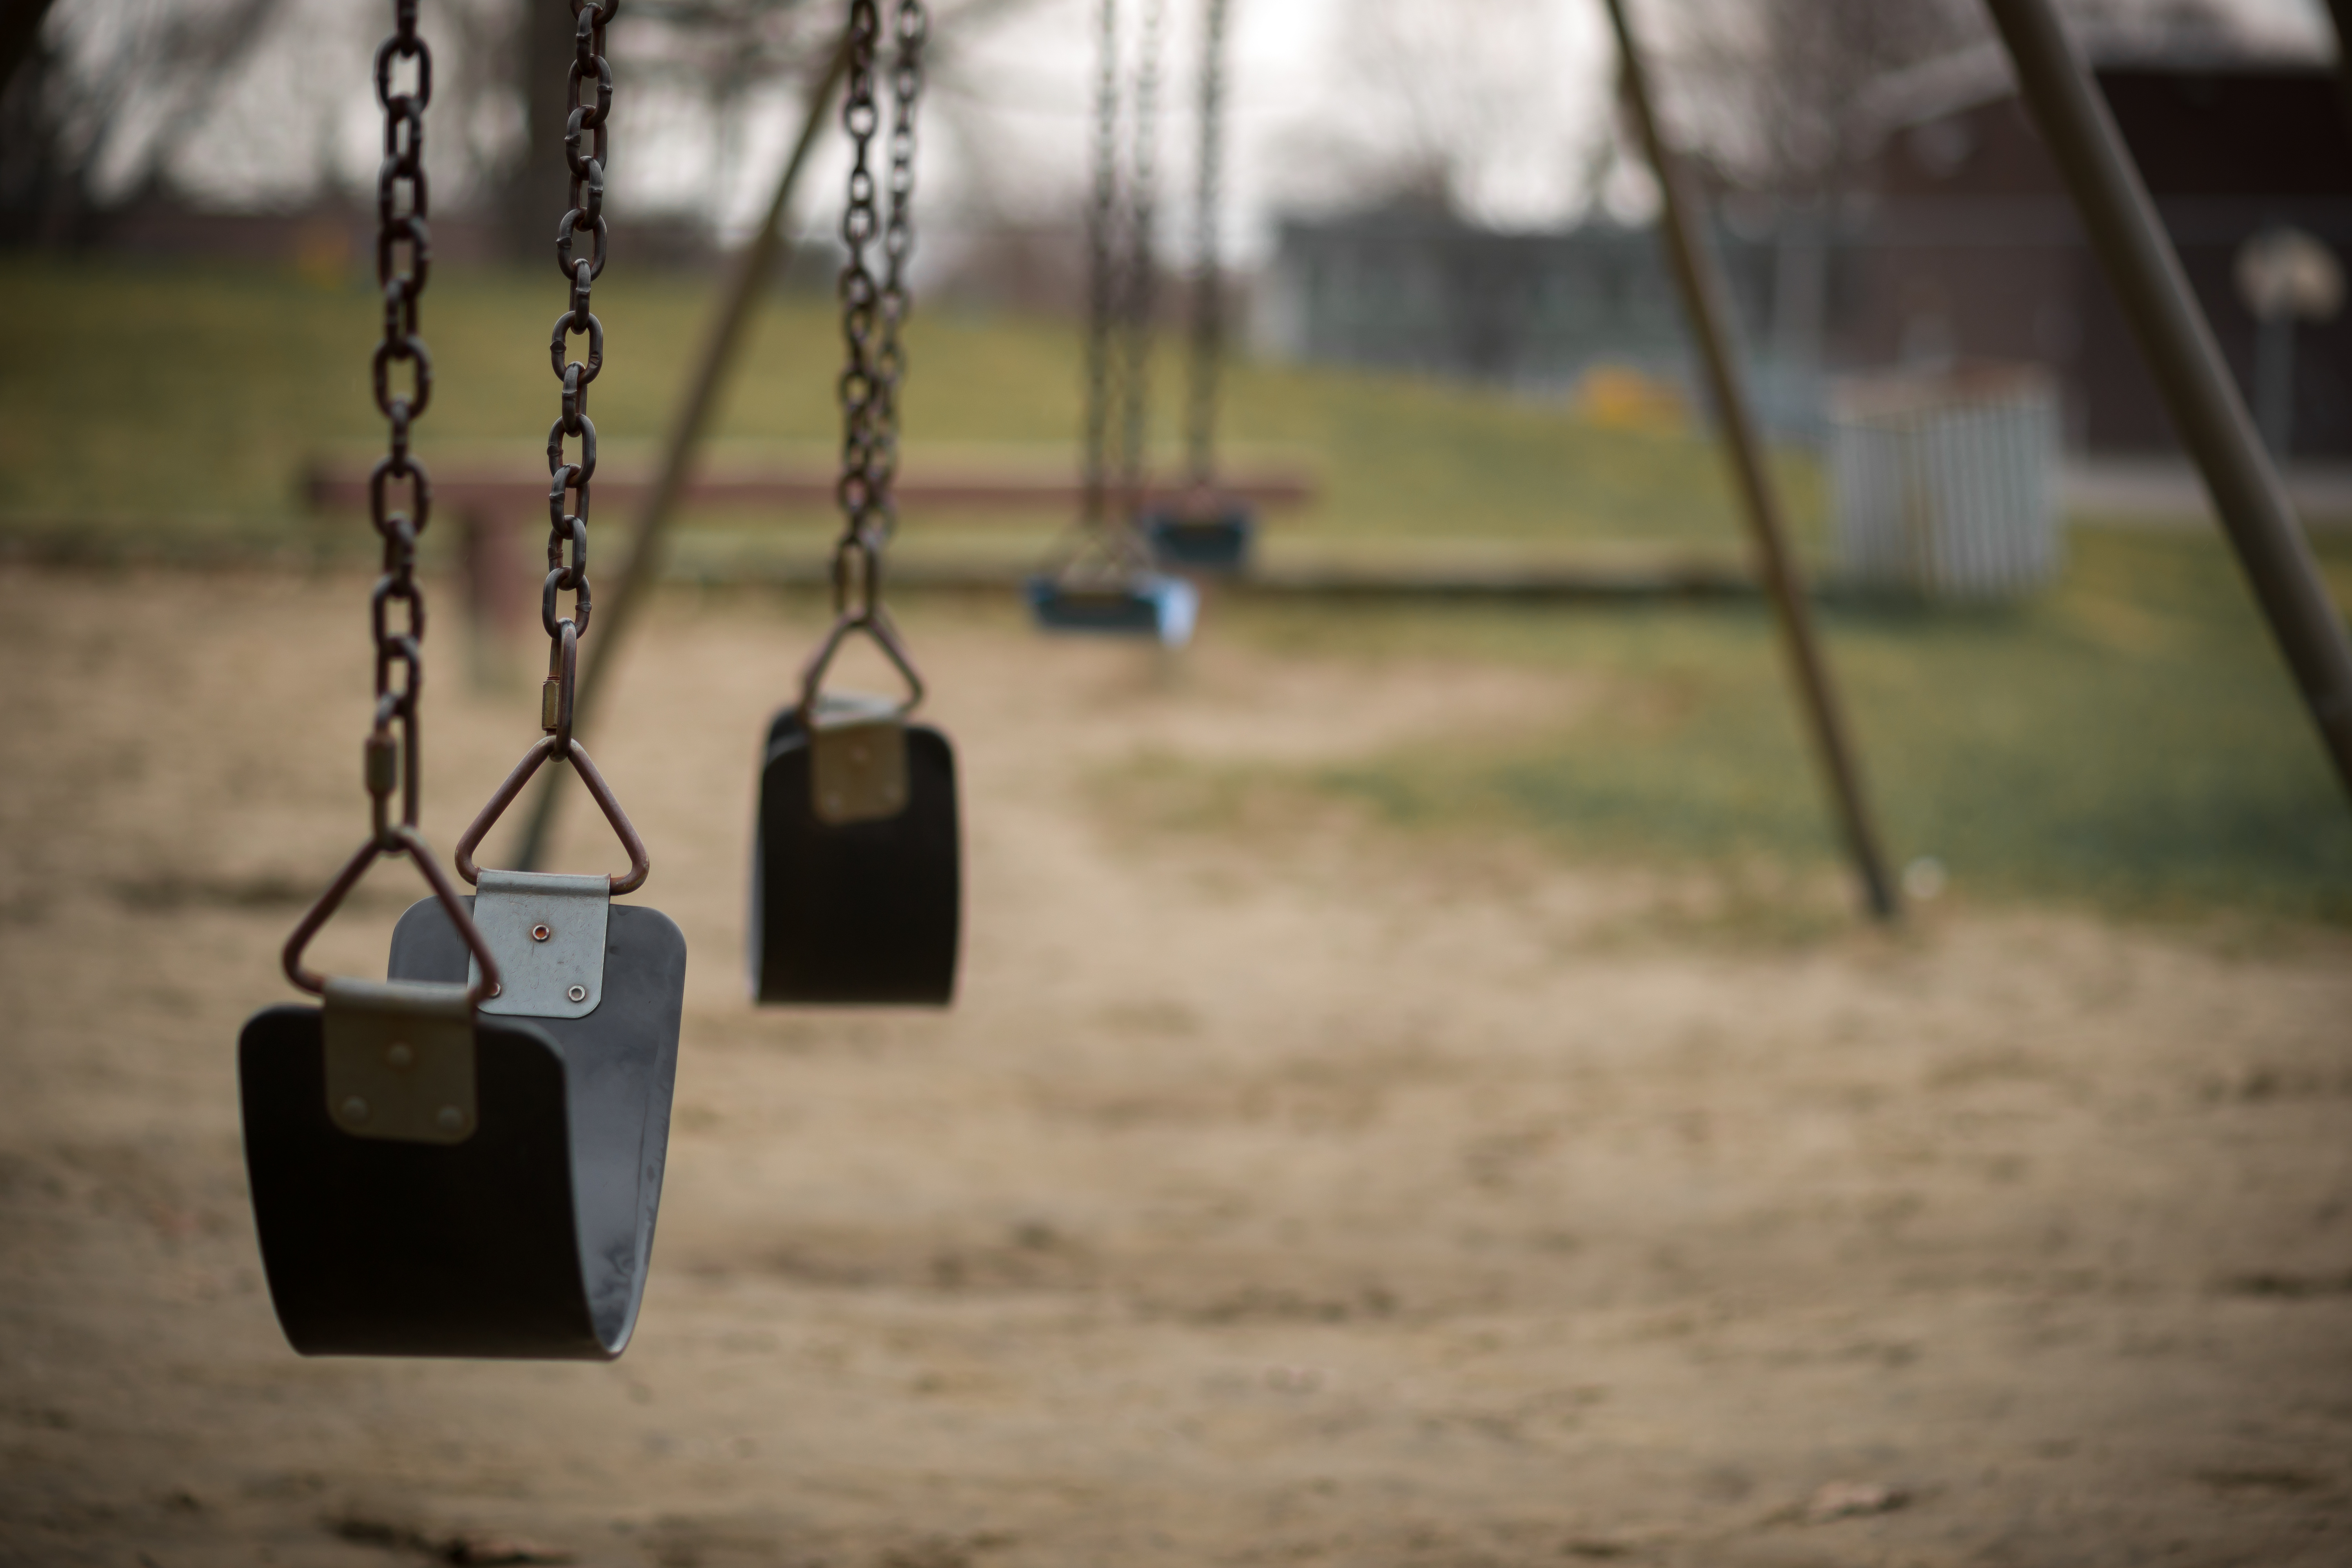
(1303, 1193)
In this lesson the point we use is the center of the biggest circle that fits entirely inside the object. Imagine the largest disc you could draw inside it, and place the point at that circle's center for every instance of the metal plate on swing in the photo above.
(547, 932)
(857, 761)
(399, 1060)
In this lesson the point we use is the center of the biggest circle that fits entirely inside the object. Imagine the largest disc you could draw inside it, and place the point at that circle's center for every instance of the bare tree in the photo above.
(20, 33)
(715, 53)
(111, 92)
(1778, 96)
(1773, 96)
(1468, 104)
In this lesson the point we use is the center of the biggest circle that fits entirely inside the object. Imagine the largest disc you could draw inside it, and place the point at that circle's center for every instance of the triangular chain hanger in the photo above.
(397, 840)
(555, 717)
(568, 480)
(1101, 554)
(403, 259)
(875, 622)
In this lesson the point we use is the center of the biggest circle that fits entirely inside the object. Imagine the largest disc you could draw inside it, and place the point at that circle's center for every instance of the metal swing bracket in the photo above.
(858, 758)
(399, 1060)
(547, 933)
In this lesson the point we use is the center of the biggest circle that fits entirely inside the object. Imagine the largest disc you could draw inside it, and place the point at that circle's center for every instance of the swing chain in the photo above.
(401, 215)
(912, 25)
(390, 763)
(873, 311)
(1141, 274)
(586, 148)
(1120, 284)
(1208, 279)
(1101, 285)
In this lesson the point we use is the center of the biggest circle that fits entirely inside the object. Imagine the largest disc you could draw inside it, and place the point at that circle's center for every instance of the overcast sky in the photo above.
(1318, 99)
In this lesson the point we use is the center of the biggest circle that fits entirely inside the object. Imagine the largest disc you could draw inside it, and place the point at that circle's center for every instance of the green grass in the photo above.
(2131, 738)
(188, 397)
(2129, 741)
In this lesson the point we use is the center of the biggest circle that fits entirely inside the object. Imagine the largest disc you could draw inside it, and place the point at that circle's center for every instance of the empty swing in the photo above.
(1204, 532)
(1107, 581)
(465, 1159)
(856, 864)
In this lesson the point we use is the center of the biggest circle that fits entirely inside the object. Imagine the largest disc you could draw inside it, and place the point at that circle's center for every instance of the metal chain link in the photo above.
(858, 389)
(1208, 279)
(874, 311)
(586, 148)
(400, 211)
(403, 257)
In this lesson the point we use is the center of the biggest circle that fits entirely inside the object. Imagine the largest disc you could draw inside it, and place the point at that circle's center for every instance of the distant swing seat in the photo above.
(1142, 603)
(431, 1178)
(857, 868)
(1218, 542)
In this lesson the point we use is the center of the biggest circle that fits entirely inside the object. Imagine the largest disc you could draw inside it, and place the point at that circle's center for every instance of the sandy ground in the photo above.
(1294, 1192)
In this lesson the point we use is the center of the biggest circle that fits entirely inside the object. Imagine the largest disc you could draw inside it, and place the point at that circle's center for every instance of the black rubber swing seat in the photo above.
(530, 1238)
(1143, 603)
(1217, 543)
(465, 1159)
(848, 912)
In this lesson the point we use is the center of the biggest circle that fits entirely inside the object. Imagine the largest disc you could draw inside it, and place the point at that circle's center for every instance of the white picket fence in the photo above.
(1945, 486)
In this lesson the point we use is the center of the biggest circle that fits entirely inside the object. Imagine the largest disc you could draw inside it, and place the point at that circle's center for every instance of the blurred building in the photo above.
(1956, 243)
(1972, 251)
(1409, 285)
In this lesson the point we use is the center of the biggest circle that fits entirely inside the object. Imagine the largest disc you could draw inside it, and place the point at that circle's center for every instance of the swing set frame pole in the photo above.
(643, 563)
(2178, 343)
(2339, 17)
(1706, 306)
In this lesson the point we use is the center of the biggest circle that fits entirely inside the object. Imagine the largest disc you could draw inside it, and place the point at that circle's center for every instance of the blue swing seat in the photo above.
(1143, 605)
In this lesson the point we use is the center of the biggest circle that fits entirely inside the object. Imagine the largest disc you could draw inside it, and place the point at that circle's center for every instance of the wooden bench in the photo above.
(505, 492)
(496, 506)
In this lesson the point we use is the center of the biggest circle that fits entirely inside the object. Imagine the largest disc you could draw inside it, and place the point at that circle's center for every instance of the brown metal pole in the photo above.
(643, 562)
(2178, 346)
(1706, 303)
(20, 30)
(2339, 12)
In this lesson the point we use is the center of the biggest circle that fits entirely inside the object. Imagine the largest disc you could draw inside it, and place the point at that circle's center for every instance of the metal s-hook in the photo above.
(555, 693)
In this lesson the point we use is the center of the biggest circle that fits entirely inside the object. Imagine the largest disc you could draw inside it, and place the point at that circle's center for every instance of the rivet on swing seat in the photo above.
(399, 1061)
(548, 934)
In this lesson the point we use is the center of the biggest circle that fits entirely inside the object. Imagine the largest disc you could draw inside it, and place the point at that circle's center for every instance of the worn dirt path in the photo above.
(1284, 1191)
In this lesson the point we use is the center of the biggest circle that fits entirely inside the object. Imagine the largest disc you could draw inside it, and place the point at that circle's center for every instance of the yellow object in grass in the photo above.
(1619, 397)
